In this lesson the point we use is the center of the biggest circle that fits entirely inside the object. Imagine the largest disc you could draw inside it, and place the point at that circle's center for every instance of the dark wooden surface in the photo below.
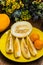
(5, 61)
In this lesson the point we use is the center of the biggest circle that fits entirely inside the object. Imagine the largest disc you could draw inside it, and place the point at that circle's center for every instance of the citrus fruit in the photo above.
(4, 22)
(38, 44)
(34, 36)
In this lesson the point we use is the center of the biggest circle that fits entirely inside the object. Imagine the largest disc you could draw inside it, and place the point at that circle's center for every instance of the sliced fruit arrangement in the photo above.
(26, 46)
(23, 46)
(21, 58)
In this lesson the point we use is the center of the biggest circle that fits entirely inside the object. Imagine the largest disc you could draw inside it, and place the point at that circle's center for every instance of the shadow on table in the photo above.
(5, 61)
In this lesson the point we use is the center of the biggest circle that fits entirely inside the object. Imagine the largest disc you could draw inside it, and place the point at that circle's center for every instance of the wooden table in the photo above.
(5, 61)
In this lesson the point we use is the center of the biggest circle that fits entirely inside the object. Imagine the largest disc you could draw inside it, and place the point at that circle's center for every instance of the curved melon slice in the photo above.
(17, 50)
(24, 49)
(9, 43)
(31, 46)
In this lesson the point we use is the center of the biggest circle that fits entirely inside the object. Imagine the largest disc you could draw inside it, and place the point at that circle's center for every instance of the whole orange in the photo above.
(4, 22)
(34, 36)
(38, 44)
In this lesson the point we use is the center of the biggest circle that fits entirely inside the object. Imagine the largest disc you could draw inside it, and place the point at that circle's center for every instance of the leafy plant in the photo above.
(10, 5)
(36, 10)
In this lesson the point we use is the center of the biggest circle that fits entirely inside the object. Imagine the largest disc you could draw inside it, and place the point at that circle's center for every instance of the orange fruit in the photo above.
(38, 44)
(4, 22)
(34, 36)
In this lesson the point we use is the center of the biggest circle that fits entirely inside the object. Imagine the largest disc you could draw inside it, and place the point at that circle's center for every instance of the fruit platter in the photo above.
(22, 42)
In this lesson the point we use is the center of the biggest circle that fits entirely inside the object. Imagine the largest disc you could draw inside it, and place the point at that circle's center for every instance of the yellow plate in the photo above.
(21, 59)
